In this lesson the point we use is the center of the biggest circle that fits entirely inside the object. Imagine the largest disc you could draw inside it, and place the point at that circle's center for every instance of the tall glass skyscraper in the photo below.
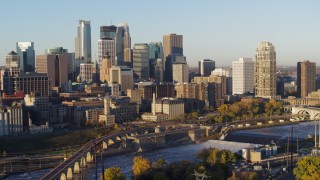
(123, 44)
(83, 43)
(108, 31)
(155, 53)
(27, 56)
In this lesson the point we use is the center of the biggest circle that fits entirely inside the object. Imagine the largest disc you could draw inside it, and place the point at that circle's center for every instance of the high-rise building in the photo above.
(56, 50)
(123, 76)
(172, 45)
(104, 70)
(106, 46)
(141, 62)
(83, 44)
(108, 32)
(306, 75)
(180, 73)
(55, 66)
(27, 56)
(206, 66)
(155, 53)
(123, 44)
(265, 71)
(159, 71)
(63, 55)
(243, 73)
(13, 63)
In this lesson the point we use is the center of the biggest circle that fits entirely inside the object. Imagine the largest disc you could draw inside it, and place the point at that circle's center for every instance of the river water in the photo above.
(185, 152)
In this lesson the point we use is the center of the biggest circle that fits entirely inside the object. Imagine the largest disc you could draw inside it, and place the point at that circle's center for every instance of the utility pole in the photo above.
(315, 133)
(291, 148)
(95, 158)
(288, 144)
(102, 161)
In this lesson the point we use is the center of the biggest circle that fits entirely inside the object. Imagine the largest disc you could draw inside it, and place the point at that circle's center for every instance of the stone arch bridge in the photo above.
(311, 113)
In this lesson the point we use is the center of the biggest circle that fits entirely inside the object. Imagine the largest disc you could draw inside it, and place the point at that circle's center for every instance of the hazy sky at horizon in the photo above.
(219, 30)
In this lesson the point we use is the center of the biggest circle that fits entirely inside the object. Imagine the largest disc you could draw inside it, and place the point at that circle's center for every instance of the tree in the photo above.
(308, 168)
(140, 165)
(160, 163)
(114, 173)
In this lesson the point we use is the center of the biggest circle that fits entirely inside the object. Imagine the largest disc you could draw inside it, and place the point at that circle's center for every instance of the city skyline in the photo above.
(221, 31)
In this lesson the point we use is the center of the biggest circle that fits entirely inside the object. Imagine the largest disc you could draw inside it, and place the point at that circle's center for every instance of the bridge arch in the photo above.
(76, 168)
(69, 173)
(63, 176)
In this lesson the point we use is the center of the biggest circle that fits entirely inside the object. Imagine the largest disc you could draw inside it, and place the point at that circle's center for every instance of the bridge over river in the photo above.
(147, 136)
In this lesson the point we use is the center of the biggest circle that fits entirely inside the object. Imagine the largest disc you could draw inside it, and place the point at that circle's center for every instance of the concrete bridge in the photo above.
(312, 113)
(73, 167)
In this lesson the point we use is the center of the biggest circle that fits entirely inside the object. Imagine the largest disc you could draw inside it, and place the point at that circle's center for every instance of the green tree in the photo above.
(308, 168)
(160, 163)
(140, 165)
(213, 156)
(114, 173)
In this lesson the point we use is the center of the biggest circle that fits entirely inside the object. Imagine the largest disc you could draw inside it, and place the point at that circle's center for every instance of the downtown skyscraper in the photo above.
(123, 45)
(265, 71)
(83, 43)
(172, 46)
(27, 56)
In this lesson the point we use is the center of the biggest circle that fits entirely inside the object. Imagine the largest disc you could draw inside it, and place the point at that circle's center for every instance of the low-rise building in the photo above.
(258, 154)
(11, 120)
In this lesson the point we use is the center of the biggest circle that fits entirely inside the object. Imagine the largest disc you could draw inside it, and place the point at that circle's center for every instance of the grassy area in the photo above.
(47, 143)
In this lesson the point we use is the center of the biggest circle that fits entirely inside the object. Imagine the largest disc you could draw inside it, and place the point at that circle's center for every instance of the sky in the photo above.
(222, 30)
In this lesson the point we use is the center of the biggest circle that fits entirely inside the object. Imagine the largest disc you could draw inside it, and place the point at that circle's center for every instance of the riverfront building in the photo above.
(265, 71)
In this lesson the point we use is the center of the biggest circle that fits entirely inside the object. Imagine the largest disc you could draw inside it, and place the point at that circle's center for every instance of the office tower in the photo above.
(106, 46)
(27, 56)
(265, 71)
(180, 73)
(12, 63)
(32, 83)
(123, 44)
(159, 71)
(56, 50)
(243, 73)
(63, 55)
(121, 75)
(206, 66)
(172, 45)
(55, 66)
(86, 72)
(108, 32)
(228, 74)
(306, 75)
(155, 53)
(141, 62)
(83, 44)
(104, 70)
